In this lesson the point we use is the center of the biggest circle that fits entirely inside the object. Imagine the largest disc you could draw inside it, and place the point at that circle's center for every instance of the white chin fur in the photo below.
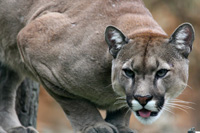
(149, 120)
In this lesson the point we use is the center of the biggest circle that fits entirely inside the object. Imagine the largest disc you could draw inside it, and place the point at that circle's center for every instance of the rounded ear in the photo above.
(115, 40)
(183, 38)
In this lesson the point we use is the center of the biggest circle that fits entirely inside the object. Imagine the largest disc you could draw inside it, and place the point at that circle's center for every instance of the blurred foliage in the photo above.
(185, 10)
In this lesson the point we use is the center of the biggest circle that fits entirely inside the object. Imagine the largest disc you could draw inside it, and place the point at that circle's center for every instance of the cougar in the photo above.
(90, 55)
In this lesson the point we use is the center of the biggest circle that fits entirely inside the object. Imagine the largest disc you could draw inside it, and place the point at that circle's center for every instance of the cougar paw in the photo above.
(22, 129)
(123, 129)
(102, 127)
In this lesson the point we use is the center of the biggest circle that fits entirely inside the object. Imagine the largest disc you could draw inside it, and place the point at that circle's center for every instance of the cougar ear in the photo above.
(115, 40)
(183, 38)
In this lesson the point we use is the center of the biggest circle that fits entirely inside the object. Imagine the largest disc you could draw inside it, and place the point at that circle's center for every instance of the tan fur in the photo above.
(61, 44)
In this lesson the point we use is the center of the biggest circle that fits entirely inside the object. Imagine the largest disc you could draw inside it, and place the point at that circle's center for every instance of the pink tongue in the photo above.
(144, 113)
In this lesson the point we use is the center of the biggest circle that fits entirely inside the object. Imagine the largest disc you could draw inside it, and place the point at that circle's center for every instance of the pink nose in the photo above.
(143, 100)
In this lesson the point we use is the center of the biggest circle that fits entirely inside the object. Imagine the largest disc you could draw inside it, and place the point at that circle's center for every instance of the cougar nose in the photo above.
(143, 100)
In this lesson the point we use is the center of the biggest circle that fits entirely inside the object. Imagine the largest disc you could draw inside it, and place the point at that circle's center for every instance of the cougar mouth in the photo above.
(144, 113)
(147, 113)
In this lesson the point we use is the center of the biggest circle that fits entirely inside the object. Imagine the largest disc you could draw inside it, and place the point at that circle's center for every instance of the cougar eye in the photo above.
(161, 73)
(129, 73)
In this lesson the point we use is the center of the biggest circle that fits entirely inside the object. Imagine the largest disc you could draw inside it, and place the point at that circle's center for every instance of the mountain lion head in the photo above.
(149, 69)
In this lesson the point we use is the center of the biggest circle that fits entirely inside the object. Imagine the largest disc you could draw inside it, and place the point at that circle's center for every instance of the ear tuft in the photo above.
(183, 38)
(115, 40)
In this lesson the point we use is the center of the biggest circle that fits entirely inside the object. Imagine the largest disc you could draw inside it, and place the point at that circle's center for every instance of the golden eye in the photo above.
(161, 73)
(129, 73)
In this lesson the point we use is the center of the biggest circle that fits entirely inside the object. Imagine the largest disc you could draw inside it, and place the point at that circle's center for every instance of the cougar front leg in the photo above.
(85, 118)
(120, 119)
(9, 82)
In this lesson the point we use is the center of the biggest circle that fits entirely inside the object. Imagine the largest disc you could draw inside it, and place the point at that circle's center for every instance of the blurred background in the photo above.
(169, 14)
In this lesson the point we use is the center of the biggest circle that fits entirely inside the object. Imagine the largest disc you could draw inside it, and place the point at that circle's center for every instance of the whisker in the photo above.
(159, 108)
(119, 102)
(127, 112)
(123, 106)
(181, 101)
(108, 86)
(168, 110)
(183, 106)
(177, 108)
(186, 85)
(178, 104)
(121, 98)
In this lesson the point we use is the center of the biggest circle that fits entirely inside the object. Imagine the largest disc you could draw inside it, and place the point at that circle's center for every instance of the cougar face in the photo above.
(149, 70)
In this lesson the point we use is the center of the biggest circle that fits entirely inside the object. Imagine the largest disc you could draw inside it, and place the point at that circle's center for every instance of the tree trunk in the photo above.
(27, 102)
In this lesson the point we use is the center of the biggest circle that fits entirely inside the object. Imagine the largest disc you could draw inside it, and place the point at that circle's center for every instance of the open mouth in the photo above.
(144, 113)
